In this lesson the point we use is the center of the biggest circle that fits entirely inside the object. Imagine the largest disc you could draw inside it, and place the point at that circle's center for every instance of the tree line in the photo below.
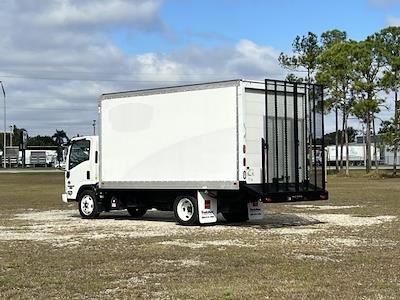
(57, 139)
(356, 75)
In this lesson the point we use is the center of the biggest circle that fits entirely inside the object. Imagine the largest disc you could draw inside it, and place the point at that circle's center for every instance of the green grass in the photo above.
(31, 190)
(139, 267)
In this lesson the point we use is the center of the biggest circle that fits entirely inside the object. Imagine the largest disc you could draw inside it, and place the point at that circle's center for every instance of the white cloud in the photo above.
(255, 60)
(57, 58)
(69, 13)
(391, 21)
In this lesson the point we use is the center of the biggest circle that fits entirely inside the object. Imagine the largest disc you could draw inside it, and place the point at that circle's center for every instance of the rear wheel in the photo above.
(236, 212)
(186, 210)
(88, 206)
(137, 212)
(240, 216)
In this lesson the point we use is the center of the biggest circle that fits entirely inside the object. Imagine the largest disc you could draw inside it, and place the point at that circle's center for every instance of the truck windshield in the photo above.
(79, 153)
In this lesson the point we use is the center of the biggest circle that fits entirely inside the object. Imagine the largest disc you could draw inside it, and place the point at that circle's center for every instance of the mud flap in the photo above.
(207, 208)
(255, 210)
(64, 198)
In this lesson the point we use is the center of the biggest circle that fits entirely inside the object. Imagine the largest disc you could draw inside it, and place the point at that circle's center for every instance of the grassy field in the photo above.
(344, 248)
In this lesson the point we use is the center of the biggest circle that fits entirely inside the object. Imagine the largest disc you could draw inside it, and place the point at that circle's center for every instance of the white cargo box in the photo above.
(170, 138)
(204, 136)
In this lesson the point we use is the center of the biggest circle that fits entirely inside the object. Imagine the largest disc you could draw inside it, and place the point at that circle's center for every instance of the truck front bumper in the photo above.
(64, 198)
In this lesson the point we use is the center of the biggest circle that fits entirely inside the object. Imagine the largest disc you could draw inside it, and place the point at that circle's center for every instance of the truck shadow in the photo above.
(270, 220)
(276, 220)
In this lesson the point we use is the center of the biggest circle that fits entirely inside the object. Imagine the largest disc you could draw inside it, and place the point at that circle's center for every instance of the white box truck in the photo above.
(199, 150)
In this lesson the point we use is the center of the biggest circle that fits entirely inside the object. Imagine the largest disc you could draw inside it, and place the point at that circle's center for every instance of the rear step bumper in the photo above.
(285, 193)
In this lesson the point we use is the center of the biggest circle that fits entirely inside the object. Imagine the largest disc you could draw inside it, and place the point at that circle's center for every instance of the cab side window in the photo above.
(80, 151)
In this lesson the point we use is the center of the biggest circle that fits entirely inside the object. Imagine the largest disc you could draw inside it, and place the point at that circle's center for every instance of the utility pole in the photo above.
(94, 127)
(5, 127)
(11, 134)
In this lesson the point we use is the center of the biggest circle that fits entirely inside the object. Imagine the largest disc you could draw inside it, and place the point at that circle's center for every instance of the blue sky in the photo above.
(57, 57)
(273, 23)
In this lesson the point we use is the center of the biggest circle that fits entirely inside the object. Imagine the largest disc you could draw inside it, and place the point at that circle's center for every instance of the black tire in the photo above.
(186, 210)
(237, 213)
(136, 212)
(88, 206)
(236, 217)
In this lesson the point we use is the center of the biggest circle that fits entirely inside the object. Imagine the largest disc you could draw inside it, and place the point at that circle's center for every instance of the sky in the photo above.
(58, 56)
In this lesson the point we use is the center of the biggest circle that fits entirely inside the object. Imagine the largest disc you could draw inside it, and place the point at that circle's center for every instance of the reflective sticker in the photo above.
(255, 210)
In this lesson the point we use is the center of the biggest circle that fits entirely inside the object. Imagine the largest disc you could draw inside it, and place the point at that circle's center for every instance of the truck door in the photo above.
(79, 167)
(284, 136)
(293, 137)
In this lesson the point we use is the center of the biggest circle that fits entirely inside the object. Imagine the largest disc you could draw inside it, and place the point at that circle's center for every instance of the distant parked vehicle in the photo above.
(39, 158)
(357, 154)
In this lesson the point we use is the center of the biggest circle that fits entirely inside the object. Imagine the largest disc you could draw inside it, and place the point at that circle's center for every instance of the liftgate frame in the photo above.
(308, 154)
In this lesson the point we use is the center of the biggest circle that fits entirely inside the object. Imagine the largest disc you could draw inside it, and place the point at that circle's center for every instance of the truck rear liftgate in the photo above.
(292, 149)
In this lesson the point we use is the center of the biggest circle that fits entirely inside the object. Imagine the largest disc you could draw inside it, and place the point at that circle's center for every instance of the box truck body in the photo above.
(175, 138)
(232, 142)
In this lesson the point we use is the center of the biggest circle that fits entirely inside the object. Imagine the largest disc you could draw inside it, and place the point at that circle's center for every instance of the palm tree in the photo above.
(60, 137)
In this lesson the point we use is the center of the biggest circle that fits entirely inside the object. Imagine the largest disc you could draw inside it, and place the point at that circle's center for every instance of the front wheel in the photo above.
(186, 210)
(88, 206)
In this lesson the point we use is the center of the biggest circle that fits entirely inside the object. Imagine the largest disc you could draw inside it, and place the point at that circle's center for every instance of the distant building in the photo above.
(361, 139)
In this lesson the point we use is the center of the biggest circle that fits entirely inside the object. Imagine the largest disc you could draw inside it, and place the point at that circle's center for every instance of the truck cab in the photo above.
(82, 166)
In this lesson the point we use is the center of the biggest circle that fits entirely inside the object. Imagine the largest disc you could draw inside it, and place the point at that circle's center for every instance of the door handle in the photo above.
(87, 174)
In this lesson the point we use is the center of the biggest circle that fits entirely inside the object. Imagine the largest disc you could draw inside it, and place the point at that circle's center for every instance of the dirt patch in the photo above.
(302, 256)
(348, 220)
(203, 244)
(324, 207)
(64, 228)
(358, 242)
(296, 231)
(181, 262)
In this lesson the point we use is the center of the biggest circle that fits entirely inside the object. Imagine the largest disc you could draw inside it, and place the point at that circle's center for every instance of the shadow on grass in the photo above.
(276, 220)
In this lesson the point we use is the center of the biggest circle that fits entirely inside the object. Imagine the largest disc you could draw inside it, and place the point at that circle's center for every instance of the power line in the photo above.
(127, 73)
(50, 109)
(93, 80)
(60, 100)
(189, 80)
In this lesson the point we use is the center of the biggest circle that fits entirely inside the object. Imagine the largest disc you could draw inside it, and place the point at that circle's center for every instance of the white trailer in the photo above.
(39, 157)
(357, 154)
(199, 150)
(389, 157)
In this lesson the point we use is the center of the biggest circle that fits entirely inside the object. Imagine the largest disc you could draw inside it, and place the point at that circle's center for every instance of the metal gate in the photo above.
(292, 149)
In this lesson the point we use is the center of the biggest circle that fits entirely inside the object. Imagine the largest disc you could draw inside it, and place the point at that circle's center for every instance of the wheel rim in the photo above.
(87, 205)
(185, 209)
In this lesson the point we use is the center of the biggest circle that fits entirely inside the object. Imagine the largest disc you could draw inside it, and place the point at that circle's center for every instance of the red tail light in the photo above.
(207, 204)
(244, 161)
